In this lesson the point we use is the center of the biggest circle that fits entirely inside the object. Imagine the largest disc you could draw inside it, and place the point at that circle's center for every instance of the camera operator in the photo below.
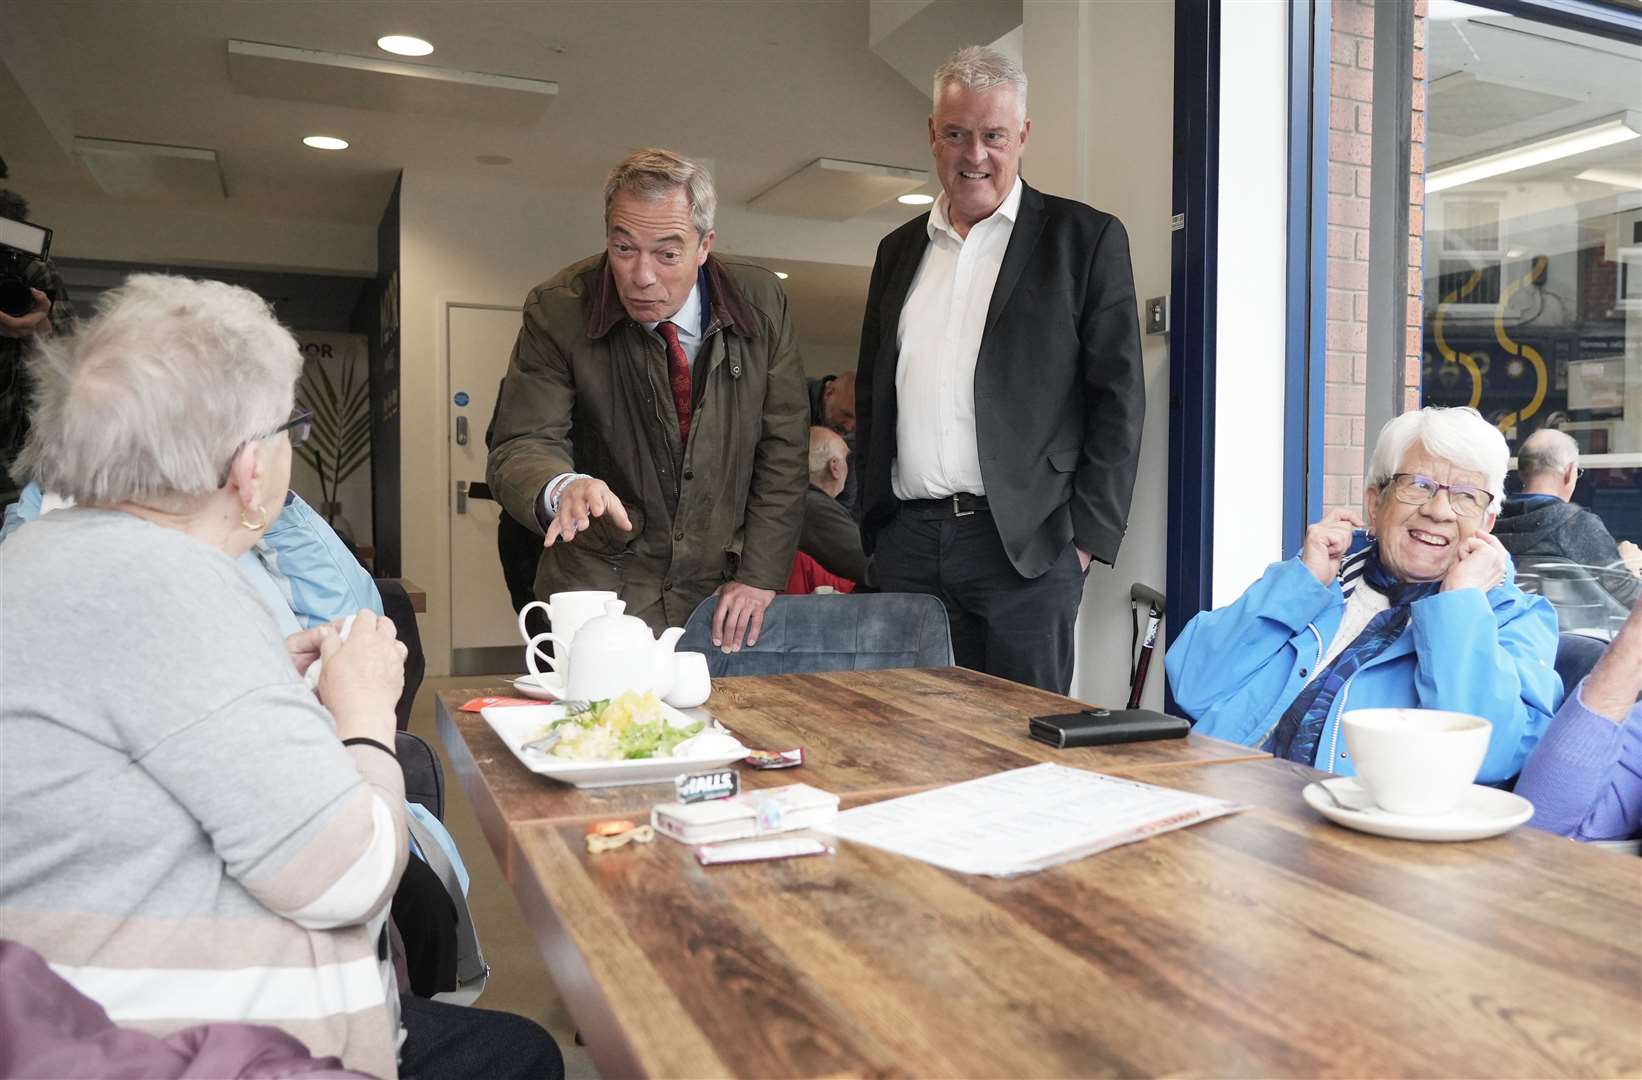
(51, 313)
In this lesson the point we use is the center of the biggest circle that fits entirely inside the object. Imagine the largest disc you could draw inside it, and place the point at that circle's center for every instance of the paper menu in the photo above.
(1023, 820)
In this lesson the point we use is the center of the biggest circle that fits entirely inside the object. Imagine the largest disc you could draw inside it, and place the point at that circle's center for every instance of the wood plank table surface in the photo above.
(1265, 943)
(864, 733)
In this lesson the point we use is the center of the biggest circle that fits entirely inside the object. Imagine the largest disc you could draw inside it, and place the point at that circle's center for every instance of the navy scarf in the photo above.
(1301, 728)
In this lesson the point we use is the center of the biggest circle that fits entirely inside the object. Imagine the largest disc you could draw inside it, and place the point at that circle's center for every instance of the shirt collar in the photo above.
(688, 318)
(1009, 209)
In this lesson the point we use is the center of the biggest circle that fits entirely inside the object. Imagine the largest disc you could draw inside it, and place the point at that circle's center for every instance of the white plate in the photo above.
(548, 686)
(1482, 812)
(516, 725)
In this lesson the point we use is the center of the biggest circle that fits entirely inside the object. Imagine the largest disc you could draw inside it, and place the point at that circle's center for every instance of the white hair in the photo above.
(1546, 451)
(651, 174)
(1459, 436)
(826, 446)
(149, 400)
(979, 67)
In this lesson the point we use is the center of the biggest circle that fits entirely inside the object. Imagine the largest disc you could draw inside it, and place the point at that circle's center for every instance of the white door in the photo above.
(484, 634)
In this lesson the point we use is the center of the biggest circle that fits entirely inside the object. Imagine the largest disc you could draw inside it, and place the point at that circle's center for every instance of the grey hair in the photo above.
(1546, 451)
(653, 174)
(149, 400)
(980, 67)
(1459, 436)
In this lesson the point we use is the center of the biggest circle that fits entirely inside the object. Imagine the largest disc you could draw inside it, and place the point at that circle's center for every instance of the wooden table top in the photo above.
(877, 733)
(1265, 943)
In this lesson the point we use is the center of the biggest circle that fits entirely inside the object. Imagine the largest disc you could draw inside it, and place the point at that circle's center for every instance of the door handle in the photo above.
(461, 496)
(461, 431)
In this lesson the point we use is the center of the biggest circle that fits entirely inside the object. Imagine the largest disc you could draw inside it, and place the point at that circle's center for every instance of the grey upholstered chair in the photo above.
(836, 632)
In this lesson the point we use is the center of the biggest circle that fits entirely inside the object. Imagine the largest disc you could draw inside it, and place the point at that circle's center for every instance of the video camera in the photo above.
(20, 243)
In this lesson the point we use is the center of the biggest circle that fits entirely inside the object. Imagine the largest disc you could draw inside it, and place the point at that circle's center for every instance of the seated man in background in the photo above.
(1420, 610)
(1543, 521)
(829, 547)
(832, 405)
(651, 423)
(1585, 777)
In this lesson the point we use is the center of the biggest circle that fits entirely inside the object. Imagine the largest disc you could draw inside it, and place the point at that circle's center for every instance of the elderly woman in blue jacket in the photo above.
(1418, 610)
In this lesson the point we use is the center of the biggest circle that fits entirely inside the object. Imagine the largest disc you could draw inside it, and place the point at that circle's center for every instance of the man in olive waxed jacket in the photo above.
(653, 424)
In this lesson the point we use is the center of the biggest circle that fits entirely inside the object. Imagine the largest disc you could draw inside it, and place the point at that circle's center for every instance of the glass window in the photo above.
(1533, 255)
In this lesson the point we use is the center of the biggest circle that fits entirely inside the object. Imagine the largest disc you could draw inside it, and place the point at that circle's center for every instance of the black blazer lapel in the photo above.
(1023, 241)
(895, 295)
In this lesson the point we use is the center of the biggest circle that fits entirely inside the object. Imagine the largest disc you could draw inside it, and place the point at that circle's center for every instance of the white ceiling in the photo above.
(760, 89)
(1496, 81)
(755, 89)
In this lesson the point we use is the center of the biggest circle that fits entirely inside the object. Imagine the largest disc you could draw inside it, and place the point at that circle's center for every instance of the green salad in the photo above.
(629, 726)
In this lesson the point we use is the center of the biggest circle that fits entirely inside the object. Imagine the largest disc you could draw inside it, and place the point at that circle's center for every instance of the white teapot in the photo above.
(613, 653)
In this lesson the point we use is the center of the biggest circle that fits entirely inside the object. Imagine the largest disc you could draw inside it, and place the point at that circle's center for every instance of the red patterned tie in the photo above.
(678, 366)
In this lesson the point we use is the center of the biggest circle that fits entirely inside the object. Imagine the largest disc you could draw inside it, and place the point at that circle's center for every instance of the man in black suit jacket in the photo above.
(999, 395)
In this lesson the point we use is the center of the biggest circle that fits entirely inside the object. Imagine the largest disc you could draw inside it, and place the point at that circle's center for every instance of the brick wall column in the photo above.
(1350, 158)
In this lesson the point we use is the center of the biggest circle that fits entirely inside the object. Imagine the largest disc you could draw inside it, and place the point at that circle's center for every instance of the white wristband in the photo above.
(555, 488)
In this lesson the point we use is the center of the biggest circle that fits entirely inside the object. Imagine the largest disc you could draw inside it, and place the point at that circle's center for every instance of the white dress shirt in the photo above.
(939, 337)
(690, 321)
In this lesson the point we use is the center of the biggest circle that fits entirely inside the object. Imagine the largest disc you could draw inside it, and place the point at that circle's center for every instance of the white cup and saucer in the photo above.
(567, 612)
(1416, 773)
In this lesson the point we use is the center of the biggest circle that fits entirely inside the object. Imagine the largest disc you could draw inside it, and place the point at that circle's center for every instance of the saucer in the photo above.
(548, 686)
(1482, 812)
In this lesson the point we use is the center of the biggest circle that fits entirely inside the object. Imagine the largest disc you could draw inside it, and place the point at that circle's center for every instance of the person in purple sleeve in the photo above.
(1585, 777)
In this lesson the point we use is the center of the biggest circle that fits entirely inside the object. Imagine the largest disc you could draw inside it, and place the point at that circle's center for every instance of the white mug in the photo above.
(691, 684)
(566, 611)
(1416, 761)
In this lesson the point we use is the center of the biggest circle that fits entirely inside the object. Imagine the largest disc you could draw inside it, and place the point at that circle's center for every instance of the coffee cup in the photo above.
(566, 611)
(1416, 761)
(691, 684)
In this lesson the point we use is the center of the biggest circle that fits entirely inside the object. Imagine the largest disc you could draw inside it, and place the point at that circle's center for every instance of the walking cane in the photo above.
(1139, 593)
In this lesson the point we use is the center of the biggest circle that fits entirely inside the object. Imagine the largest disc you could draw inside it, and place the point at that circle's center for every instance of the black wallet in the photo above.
(1100, 727)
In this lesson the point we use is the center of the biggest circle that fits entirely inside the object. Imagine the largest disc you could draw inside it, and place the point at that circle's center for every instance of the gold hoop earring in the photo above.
(262, 519)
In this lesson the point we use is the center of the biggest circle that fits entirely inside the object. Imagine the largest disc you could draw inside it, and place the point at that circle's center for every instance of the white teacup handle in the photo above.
(524, 613)
(533, 649)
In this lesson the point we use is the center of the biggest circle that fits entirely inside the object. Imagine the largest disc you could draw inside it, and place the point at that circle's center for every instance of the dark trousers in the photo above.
(1002, 623)
(456, 1042)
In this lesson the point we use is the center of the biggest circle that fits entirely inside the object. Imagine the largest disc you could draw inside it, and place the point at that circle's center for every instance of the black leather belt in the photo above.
(961, 504)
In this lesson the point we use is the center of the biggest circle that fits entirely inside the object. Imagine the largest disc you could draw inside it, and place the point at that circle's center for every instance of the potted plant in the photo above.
(341, 439)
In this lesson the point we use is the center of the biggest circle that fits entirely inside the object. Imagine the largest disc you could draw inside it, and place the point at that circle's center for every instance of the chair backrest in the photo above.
(831, 632)
(424, 777)
(1576, 655)
(396, 605)
(1578, 592)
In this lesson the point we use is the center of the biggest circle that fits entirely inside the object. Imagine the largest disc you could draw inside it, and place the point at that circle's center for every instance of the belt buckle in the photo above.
(957, 511)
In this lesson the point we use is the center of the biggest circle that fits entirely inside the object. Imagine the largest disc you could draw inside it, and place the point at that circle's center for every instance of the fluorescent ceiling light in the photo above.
(782, 274)
(916, 198)
(1449, 10)
(404, 45)
(1618, 178)
(325, 142)
(1615, 129)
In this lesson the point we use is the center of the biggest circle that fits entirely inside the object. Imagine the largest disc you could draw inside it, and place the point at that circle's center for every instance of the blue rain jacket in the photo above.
(1235, 670)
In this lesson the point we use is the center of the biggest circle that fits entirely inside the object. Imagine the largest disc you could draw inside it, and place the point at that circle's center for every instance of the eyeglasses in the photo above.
(1417, 490)
(299, 426)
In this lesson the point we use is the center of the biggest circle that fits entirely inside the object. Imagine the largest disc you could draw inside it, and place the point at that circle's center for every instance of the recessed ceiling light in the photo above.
(404, 45)
(493, 159)
(916, 198)
(782, 274)
(325, 142)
